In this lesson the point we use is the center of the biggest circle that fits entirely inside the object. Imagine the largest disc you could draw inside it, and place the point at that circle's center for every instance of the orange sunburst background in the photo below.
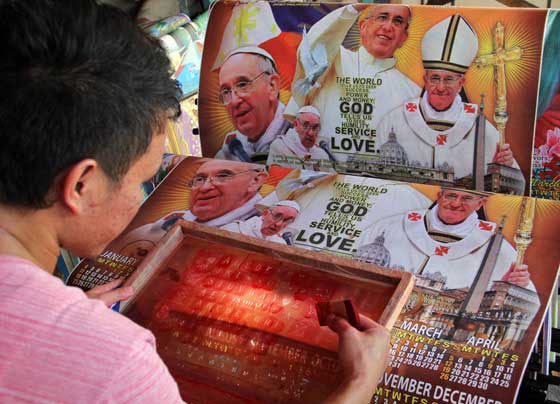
(523, 28)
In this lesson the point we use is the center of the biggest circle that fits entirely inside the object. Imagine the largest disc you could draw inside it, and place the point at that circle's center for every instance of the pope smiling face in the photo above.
(442, 88)
(385, 30)
(455, 206)
(219, 187)
(254, 93)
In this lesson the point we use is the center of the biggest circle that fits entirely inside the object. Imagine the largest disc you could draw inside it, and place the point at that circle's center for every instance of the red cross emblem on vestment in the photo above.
(485, 226)
(414, 217)
(441, 140)
(230, 138)
(469, 109)
(441, 250)
(411, 107)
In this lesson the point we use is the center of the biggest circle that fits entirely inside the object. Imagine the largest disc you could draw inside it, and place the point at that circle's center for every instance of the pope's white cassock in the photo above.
(252, 227)
(257, 151)
(288, 151)
(434, 139)
(153, 232)
(378, 83)
(420, 243)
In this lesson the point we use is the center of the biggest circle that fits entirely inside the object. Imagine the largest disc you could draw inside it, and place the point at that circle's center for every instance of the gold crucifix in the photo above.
(498, 59)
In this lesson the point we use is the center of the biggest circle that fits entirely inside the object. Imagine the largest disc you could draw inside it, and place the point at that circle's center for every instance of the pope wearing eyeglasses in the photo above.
(352, 88)
(270, 224)
(447, 242)
(299, 148)
(249, 91)
(220, 193)
(438, 129)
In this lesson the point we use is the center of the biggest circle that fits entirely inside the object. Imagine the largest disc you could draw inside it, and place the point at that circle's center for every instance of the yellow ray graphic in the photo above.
(500, 205)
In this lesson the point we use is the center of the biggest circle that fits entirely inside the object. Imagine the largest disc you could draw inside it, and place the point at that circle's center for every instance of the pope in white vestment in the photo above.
(411, 241)
(288, 151)
(413, 122)
(355, 89)
(298, 147)
(438, 129)
(270, 225)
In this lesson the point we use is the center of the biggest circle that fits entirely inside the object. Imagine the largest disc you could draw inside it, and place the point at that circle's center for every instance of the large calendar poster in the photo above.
(485, 264)
(420, 94)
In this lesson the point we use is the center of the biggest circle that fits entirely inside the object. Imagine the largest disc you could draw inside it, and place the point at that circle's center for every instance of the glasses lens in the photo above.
(244, 87)
(398, 22)
(220, 178)
(197, 182)
(448, 81)
(308, 126)
(225, 96)
(462, 199)
(380, 18)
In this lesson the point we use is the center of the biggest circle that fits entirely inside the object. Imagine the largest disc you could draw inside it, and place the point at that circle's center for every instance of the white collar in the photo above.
(379, 65)
(440, 139)
(418, 236)
(451, 114)
(462, 229)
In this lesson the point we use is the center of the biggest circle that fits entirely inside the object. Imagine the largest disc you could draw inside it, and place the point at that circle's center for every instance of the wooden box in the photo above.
(234, 317)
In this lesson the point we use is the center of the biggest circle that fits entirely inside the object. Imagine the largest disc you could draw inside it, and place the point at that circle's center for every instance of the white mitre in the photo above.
(450, 45)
